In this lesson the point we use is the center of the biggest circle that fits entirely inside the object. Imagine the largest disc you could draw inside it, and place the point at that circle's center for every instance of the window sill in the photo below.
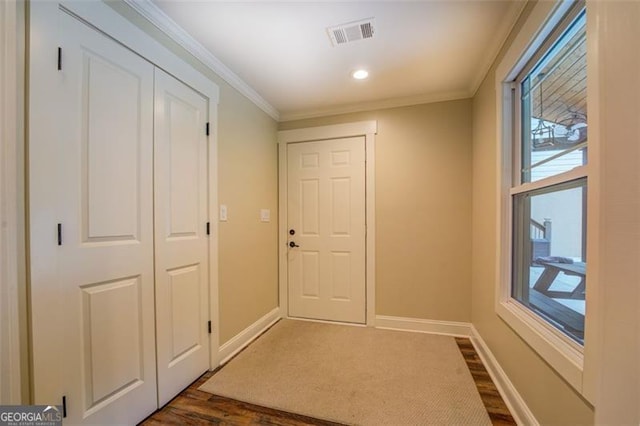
(560, 352)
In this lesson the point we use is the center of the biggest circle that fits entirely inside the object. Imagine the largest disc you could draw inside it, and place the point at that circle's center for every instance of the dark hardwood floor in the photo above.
(194, 407)
(493, 402)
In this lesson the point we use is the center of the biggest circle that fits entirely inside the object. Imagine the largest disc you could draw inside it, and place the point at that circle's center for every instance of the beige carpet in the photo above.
(354, 375)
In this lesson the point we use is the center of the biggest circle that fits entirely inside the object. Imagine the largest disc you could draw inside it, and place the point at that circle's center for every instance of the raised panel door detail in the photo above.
(310, 160)
(340, 275)
(340, 158)
(340, 205)
(112, 325)
(310, 200)
(185, 296)
(110, 153)
(184, 138)
(310, 274)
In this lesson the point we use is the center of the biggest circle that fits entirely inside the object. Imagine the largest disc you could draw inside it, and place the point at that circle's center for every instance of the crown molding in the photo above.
(152, 13)
(376, 105)
(507, 25)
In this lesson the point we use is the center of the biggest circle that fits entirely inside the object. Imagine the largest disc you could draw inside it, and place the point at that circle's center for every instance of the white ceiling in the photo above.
(421, 51)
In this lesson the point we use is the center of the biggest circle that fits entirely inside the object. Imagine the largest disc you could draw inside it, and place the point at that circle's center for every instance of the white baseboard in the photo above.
(246, 336)
(519, 409)
(449, 328)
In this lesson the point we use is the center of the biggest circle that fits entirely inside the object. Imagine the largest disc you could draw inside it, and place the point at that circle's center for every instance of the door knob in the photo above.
(292, 244)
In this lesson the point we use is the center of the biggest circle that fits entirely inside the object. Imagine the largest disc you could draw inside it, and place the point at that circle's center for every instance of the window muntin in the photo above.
(548, 197)
(554, 108)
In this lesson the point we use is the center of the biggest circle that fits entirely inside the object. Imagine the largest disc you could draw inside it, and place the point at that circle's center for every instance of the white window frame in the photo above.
(562, 353)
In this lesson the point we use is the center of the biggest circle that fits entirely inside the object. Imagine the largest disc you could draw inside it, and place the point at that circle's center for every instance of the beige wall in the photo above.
(248, 173)
(423, 208)
(247, 182)
(551, 400)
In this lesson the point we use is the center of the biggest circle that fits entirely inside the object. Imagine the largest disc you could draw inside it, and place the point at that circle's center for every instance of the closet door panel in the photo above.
(111, 313)
(181, 243)
(111, 206)
(185, 128)
(105, 273)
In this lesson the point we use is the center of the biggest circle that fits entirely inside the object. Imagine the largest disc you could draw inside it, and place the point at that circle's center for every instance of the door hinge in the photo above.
(208, 228)
(209, 326)
(59, 58)
(59, 234)
(207, 129)
(64, 406)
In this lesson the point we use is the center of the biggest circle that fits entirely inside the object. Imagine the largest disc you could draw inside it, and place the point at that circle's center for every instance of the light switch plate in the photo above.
(223, 212)
(265, 215)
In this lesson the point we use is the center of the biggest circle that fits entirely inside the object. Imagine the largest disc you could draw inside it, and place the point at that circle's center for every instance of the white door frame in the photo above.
(368, 129)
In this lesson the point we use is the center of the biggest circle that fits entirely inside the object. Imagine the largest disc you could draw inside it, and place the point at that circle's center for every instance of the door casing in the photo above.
(368, 129)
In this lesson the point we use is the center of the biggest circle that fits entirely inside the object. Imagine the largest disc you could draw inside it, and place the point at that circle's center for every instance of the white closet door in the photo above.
(105, 253)
(181, 242)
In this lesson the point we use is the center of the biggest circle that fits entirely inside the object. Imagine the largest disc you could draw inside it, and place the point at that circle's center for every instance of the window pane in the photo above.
(554, 108)
(550, 255)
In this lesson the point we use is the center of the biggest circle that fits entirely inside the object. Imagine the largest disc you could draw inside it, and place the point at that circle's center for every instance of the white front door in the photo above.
(98, 301)
(326, 229)
(181, 242)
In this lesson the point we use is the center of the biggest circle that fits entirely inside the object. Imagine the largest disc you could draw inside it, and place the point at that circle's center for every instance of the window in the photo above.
(553, 103)
(549, 185)
(547, 205)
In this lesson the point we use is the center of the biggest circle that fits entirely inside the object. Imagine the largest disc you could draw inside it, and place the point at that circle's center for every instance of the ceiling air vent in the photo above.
(353, 31)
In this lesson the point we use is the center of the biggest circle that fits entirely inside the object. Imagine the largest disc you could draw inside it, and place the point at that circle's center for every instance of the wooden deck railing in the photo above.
(540, 239)
(541, 231)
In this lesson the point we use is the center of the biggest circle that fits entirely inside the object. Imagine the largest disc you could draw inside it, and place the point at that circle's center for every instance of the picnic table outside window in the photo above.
(541, 297)
(551, 272)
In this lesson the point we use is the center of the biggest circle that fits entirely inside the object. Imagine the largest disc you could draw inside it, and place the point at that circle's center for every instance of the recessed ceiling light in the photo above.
(360, 74)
